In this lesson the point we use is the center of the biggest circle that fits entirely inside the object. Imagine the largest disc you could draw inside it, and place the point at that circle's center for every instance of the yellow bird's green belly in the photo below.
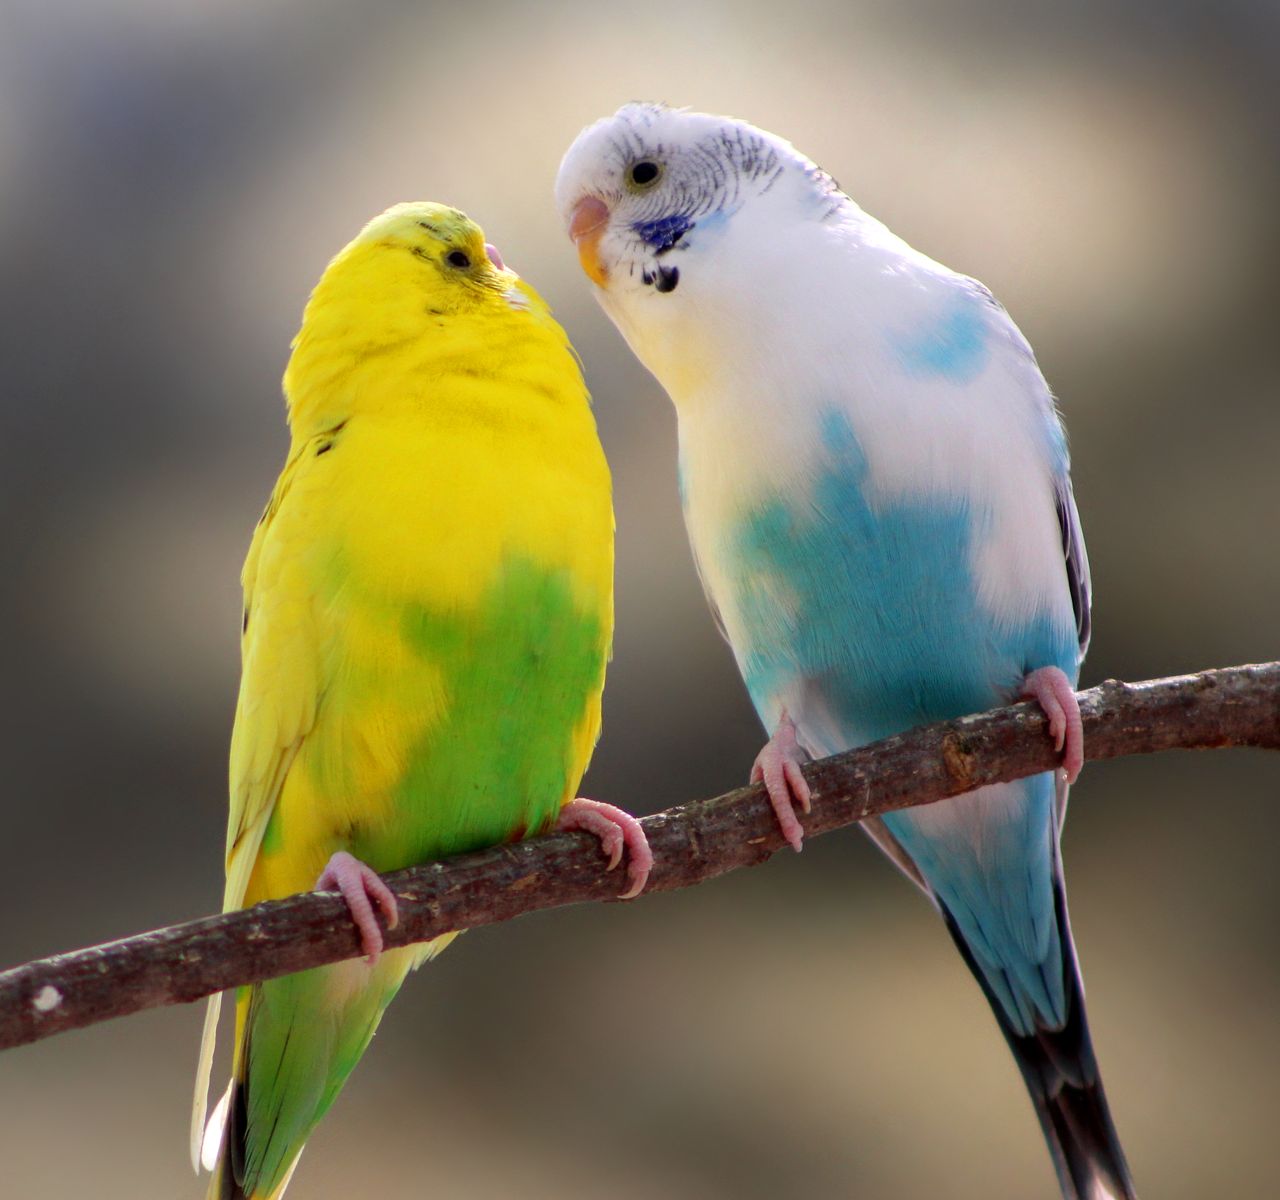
(465, 657)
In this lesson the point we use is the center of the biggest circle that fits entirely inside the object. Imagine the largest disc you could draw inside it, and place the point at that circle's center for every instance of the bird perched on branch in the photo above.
(875, 483)
(428, 608)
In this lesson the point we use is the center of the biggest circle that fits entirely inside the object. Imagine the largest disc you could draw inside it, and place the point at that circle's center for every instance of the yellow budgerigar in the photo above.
(428, 608)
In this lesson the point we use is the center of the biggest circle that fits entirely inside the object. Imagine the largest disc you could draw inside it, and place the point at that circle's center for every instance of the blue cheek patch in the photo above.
(664, 233)
(952, 344)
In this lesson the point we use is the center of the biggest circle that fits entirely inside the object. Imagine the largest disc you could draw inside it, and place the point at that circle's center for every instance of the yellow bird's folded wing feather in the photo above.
(280, 691)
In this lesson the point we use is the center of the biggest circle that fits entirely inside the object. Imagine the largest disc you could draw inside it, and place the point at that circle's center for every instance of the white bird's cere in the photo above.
(46, 999)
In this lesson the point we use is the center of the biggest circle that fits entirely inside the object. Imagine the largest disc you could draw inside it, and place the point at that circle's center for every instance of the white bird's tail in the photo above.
(1061, 1074)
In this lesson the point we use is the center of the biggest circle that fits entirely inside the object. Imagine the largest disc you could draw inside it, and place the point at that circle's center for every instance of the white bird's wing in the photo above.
(1077, 561)
(1075, 558)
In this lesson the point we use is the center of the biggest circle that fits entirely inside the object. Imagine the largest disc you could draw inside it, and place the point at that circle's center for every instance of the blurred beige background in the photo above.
(172, 180)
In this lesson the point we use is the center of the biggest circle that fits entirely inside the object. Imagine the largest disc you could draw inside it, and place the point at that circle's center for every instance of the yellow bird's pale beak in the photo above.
(587, 225)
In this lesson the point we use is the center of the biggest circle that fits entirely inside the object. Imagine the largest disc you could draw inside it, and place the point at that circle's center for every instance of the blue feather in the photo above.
(1002, 899)
(821, 591)
(953, 343)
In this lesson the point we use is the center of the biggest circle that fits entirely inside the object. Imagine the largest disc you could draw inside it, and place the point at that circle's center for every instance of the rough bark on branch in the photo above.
(694, 842)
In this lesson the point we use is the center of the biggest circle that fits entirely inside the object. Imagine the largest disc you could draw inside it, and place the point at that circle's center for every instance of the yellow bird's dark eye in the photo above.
(644, 174)
(458, 258)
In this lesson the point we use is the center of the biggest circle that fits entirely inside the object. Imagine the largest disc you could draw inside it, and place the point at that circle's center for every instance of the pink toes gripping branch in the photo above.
(361, 888)
(777, 766)
(619, 833)
(1051, 689)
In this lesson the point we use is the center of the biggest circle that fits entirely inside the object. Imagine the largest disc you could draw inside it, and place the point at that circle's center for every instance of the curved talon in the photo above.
(777, 766)
(619, 833)
(1051, 689)
(361, 887)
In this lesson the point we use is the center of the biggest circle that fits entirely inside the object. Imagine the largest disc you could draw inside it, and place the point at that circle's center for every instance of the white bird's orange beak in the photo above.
(586, 226)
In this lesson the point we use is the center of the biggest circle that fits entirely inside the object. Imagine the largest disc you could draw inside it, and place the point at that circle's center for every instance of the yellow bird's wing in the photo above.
(280, 690)
(280, 684)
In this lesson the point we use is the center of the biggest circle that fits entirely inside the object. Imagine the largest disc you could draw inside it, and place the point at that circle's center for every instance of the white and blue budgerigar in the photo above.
(875, 483)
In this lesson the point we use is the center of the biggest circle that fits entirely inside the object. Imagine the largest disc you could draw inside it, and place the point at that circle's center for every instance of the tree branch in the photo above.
(694, 842)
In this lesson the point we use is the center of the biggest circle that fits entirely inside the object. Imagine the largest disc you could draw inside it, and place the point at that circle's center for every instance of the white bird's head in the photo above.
(639, 188)
(674, 213)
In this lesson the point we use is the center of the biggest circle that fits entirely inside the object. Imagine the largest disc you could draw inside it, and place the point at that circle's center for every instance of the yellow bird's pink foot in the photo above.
(361, 888)
(1051, 689)
(777, 766)
(619, 833)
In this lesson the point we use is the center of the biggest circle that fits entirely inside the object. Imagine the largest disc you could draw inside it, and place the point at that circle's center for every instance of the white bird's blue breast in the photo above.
(872, 607)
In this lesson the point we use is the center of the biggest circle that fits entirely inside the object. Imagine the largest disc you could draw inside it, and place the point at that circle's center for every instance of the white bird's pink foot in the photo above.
(777, 766)
(361, 888)
(1051, 689)
(619, 833)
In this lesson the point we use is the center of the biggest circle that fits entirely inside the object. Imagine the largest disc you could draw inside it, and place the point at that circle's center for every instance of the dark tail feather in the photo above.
(1061, 1074)
(228, 1178)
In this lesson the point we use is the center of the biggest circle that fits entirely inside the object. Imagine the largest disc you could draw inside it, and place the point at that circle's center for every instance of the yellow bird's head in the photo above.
(417, 283)
(412, 271)
(418, 251)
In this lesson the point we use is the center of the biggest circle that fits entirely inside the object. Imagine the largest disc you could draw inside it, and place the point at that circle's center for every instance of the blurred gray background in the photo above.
(173, 177)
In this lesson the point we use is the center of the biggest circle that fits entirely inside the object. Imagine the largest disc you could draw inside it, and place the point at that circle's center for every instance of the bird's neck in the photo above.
(759, 299)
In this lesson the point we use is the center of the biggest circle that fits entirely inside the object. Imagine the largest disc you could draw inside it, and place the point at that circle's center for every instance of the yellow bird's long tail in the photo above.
(297, 1040)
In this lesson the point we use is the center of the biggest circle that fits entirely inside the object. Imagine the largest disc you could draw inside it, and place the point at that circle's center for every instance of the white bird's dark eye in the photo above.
(457, 258)
(644, 173)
